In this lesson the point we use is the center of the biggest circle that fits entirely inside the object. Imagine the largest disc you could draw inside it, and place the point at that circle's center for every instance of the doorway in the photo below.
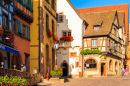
(103, 69)
(65, 69)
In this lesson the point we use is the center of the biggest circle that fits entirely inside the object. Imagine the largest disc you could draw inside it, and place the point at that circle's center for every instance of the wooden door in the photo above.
(104, 69)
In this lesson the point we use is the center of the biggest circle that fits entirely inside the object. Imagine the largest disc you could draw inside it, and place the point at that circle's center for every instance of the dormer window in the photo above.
(96, 28)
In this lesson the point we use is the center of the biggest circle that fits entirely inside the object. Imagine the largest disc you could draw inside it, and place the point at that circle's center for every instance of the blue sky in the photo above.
(97, 3)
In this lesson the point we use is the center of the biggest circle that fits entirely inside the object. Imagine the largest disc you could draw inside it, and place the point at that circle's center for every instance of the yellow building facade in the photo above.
(47, 19)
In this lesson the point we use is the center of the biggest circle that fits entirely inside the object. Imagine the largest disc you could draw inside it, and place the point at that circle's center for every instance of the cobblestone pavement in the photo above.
(99, 81)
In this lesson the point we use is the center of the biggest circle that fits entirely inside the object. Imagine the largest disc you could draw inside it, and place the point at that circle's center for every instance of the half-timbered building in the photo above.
(105, 32)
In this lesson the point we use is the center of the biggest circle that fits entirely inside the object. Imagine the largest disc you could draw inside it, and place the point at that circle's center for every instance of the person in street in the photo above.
(126, 71)
(123, 71)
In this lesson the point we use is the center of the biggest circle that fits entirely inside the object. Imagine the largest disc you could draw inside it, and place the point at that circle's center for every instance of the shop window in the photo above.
(76, 64)
(5, 20)
(90, 64)
(110, 65)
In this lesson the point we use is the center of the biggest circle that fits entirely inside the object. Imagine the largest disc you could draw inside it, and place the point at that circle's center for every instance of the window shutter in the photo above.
(19, 28)
(28, 31)
(31, 5)
(26, 3)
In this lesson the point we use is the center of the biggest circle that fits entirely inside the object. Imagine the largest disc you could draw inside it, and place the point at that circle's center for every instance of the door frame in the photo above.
(105, 68)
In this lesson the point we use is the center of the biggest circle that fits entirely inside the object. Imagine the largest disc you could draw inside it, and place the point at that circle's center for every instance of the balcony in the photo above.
(23, 12)
(49, 8)
(65, 44)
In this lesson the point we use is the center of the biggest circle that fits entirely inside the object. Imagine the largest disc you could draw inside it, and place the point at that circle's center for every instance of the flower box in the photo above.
(49, 33)
(55, 37)
(67, 38)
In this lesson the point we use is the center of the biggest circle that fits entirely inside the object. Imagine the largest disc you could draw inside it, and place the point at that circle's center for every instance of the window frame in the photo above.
(66, 32)
(95, 28)
(58, 17)
(93, 44)
(90, 64)
(7, 19)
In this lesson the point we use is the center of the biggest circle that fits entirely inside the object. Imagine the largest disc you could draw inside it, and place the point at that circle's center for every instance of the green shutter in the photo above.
(26, 3)
(19, 28)
(28, 29)
(30, 5)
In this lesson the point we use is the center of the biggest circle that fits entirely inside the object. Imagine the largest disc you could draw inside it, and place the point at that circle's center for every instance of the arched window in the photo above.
(110, 65)
(90, 63)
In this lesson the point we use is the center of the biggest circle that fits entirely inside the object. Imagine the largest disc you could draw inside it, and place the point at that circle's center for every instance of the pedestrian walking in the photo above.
(123, 71)
(126, 71)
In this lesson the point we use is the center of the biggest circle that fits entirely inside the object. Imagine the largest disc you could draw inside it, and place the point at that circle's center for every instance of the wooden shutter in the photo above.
(28, 31)
(26, 3)
(31, 5)
(21, 29)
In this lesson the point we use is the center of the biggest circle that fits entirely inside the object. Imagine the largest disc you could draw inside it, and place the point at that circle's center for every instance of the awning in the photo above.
(9, 49)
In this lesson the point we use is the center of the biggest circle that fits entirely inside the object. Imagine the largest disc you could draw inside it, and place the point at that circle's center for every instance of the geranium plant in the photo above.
(67, 38)
(56, 72)
(49, 32)
(9, 34)
(55, 37)
(12, 81)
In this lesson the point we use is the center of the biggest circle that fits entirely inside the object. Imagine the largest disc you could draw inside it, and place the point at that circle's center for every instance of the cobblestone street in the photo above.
(99, 81)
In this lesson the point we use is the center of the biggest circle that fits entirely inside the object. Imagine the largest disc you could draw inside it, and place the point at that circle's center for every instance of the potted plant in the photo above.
(8, 1)
(55, 37)
(8, 33)
(57, 72)
(49, 32)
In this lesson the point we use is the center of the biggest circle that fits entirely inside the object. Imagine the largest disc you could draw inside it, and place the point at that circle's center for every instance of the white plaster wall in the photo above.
(72, 22)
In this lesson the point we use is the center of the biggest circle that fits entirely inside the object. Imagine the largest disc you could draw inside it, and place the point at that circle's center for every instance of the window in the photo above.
(53, 26)
(24, 31)
(76, 64)
(52, 4)
(73, 54)
(94, 42)
(96, 28)
(47, 21)
(66, 33)
(90, 63)
(27, 62)
(110, 65)
(14, 25)
(5, 20)
(60, 17)
(114, 31)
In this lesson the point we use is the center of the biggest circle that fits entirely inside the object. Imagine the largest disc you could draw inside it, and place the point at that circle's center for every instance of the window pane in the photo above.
(24, 31)
(5, 20)
(69, 33)
(96, 28)
(64, 34)
(60, 18)
(94, 42)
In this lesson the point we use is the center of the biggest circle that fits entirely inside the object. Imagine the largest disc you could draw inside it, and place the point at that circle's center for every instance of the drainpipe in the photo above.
(39, 39)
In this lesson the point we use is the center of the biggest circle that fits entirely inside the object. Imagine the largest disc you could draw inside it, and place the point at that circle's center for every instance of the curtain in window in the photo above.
(19, 28)
(26, 3)
(28, 32)
(31, 5)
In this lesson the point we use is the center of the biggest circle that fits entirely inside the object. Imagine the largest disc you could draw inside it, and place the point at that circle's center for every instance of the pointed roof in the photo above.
(103, 19)
(121, 16)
